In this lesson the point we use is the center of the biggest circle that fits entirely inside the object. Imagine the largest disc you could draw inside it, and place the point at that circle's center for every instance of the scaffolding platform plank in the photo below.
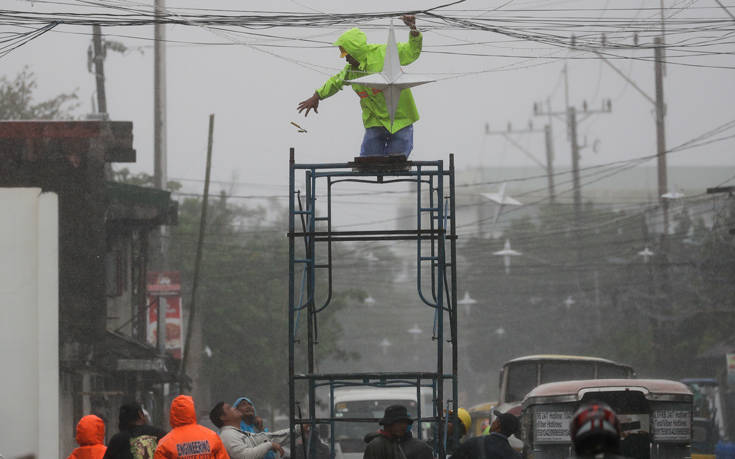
(380, 163)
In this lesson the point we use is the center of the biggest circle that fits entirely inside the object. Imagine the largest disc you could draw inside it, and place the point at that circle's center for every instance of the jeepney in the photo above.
(520, 375)
(655, 416)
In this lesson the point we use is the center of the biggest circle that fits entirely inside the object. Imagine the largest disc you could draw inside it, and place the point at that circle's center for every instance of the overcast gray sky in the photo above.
(254, 93)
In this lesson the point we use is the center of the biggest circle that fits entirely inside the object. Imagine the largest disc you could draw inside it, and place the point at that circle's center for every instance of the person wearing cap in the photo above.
(495, 445)
(381, 136)
(394, 439)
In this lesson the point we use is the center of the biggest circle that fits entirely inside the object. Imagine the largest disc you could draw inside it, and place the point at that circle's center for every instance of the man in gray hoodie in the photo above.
(241, 444)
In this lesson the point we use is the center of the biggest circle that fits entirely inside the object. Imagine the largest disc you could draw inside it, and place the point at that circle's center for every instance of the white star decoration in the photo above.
(391, 80)
(507, 253)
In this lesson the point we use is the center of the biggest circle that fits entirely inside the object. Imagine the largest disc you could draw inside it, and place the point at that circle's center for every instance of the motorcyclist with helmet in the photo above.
(595, 432)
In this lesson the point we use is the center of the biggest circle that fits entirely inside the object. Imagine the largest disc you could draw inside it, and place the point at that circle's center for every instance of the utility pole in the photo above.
(192, 355)
(98, 58)
(549, 144)
(159, 98)
(660, 130)
(549, 141)
(572, 122)
(159, 169)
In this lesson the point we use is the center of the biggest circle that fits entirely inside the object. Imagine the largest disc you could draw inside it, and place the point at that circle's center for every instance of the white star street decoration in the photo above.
(385, 344)
(673, 194)
(506, 253)
(467, 301)
(501, 199)
(646, 254)
(391, 80)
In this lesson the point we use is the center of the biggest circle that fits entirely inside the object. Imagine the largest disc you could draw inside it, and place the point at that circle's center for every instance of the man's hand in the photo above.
(312, 103)
(277, 448)
(410, 21)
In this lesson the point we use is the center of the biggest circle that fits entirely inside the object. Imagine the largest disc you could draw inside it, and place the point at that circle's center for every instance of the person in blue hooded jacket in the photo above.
(250, 420)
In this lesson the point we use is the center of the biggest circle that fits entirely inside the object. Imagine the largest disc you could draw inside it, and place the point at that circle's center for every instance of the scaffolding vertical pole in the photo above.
(418, 408)
(418, 224)
(440, 300)
(431, 228)
(310, 293)
(291, 337)
(453, 295)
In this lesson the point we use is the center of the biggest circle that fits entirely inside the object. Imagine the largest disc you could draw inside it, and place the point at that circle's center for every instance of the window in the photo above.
(521, 379)
(606, 371)
(566, 371)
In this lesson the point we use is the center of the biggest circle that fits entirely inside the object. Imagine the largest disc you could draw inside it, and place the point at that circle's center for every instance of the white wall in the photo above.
(29, 323)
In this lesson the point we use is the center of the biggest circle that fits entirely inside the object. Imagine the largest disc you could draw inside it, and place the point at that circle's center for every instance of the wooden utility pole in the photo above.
(549, 142)
(572, 122)
(99, 69)
(192, 355)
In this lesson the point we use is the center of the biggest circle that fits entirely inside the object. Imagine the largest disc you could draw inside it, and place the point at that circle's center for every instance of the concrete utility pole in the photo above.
(661, 130)
(99, 69)
(549, 144)
(159, 171)
(159, 98)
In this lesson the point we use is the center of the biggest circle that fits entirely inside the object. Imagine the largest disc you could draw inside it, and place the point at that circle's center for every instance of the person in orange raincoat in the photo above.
(187, 439)
(91, 438)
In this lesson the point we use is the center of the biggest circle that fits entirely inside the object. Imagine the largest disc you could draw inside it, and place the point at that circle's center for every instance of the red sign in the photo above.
(164, 288)
(164, 283)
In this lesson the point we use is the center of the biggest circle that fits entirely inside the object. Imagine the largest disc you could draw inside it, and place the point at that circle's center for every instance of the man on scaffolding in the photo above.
(381, 137)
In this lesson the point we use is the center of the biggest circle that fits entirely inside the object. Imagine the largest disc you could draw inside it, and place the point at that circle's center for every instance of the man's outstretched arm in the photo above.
(330, 87)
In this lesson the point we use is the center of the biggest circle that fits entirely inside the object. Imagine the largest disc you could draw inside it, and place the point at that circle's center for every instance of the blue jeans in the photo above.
(378, 141)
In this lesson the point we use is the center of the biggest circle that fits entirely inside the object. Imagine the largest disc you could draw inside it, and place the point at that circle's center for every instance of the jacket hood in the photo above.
(354, 42)
(182, 411)
(90, 431)
(240, 399)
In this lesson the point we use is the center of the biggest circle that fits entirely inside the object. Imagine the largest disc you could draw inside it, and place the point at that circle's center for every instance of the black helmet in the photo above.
(595, 429)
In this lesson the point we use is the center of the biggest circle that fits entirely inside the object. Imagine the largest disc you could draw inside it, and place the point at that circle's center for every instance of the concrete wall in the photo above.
(29, 338)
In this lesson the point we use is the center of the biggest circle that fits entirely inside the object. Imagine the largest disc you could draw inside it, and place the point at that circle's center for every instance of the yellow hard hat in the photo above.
(465, 418)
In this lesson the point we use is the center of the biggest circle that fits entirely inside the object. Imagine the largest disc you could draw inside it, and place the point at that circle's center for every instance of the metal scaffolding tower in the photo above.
(435, 236)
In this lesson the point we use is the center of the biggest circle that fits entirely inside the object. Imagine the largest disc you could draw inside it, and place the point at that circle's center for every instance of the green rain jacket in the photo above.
(371, 58)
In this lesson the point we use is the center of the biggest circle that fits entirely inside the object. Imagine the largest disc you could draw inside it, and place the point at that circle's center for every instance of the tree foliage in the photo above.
(17, 100)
